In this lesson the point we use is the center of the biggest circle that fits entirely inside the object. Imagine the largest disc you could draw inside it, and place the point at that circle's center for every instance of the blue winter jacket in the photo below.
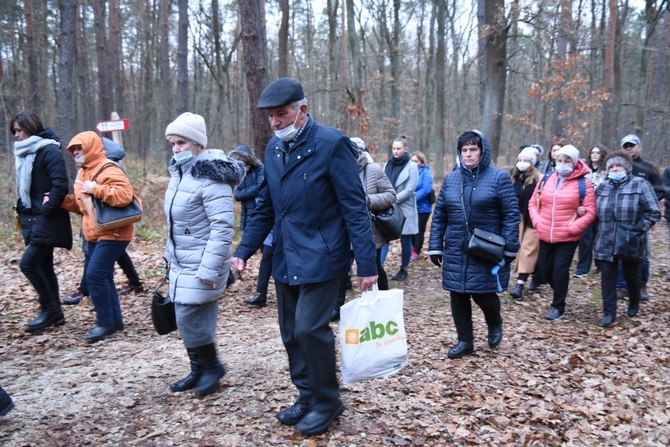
(490, 204)
(315, 205)
(423, 188)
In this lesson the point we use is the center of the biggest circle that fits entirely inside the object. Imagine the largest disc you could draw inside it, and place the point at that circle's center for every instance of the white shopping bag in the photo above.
(372, 335)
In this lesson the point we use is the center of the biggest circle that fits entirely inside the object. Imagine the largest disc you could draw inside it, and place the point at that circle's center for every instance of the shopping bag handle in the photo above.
(370, 297)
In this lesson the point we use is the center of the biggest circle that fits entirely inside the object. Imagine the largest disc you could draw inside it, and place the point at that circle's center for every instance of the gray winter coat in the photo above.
(378, 189)
(199, 211)
(405, 186)
(631, 202)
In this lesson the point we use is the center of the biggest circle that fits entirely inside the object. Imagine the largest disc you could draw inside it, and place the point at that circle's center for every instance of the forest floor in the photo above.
(567, 382)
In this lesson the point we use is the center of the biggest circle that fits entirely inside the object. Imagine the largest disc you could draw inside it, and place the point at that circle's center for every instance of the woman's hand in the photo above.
(45, 200)
(581, 210)
(87, 186)
(208, 282)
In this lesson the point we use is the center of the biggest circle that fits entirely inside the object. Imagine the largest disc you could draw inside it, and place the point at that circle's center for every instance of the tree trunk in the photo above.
(650, 18)
(86, 100)
(68, 24)
(495, 44)
(104, 87)
(608, 127)
(396, 62)
(440, 86)
(561, 55)
(115, 71)
(282, 63)
(182, 58)
(252, 16)
(33, 93)
(166, 78)
(332, 6)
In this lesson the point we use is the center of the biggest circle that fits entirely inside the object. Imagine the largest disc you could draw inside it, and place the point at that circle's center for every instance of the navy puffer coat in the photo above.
(490, 204)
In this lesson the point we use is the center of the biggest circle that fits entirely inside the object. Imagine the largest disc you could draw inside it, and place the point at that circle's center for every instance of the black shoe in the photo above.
(622, 294)
(461, 349)
(293, 414)
(401, 275)
(74, 298)
(212, 369)
(45, 319)
(633, 309)
(132, 288)
(189, 381)
(258, 300)
(606, 321)
(100, 332)
(335, 316)
(317, 422)
(644, 295)
(533, 286)
(517, 292)
(495, 335)
(6, 403)
(554, 314)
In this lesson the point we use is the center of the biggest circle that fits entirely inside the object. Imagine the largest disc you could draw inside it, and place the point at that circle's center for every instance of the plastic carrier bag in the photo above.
(372, 335)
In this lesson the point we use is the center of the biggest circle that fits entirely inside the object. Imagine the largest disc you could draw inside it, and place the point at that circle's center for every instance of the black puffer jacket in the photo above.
(248, 190)
(47, 224)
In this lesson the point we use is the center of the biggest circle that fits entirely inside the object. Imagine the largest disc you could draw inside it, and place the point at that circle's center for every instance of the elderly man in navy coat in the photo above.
(315, 203)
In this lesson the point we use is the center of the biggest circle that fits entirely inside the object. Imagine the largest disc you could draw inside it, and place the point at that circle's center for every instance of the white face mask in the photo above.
(182, 157)
(564, 169)
(79, 160)
(289, 132)
(522, 165)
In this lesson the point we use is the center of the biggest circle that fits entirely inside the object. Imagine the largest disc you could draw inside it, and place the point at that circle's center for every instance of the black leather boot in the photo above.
(189, 381)
(258, 300)
(517, 292)
(461, 349)
(212, 369)
(50, 315)
(495, 335)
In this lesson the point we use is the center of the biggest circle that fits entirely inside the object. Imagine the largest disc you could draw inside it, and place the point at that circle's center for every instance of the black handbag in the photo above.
(486, 245)
(389, 222)
(629, 242)
(162, 312)
(109, 217)
(483, 244)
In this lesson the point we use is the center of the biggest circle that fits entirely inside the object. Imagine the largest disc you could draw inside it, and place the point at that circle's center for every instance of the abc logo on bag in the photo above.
(374, 332)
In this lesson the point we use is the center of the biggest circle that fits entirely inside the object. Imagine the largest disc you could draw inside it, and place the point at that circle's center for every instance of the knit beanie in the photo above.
(569, 151)
(358, 142)
(190, 126)
(530, 153)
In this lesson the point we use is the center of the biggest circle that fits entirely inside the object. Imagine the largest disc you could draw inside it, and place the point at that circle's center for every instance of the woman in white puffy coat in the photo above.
(199, 211)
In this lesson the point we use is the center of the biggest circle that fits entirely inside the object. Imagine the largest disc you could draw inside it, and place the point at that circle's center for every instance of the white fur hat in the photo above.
(529, 153)
(190, 126)
(569, 151)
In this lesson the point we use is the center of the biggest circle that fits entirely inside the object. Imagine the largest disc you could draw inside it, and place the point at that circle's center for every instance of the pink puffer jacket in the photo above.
(555, 218)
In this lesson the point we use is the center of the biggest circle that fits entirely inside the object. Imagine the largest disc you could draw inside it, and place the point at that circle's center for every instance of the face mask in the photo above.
(182, 157)
(564, 169)
(617, 176)
(288, 133)
(79, 160)
(522, 165)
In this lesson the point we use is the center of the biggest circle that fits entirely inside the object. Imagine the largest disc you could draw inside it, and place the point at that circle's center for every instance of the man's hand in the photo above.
(366, 282)
(436, 259)
(237, 265)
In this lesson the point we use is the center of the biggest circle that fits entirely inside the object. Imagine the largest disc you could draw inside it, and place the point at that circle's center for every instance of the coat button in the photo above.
(295, 277)
(299, 157)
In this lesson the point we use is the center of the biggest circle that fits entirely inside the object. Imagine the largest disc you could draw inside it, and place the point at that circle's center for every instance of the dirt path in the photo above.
(549, 383)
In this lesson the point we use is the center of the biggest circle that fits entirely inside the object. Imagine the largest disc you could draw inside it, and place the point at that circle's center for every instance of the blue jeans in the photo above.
(100, 280)
(406, 245)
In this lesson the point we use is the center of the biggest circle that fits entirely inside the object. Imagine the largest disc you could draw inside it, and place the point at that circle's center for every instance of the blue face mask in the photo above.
(182, 157)
(617, 176)
(564, 169)
(79, 160)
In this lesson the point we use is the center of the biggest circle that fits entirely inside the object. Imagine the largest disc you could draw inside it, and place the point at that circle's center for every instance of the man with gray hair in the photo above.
(315, 205)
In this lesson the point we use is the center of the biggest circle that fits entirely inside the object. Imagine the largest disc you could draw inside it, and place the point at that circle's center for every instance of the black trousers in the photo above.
(609, 271)
(417, 243)
(37, 264)
(461, 310)
(265, 270)
(304, 324)
(555, 260)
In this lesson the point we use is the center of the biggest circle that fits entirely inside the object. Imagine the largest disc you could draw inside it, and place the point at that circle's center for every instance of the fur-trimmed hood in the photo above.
(244, 154)
(213, 164)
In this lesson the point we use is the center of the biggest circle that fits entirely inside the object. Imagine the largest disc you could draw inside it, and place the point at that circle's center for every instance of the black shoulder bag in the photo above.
(483, 244)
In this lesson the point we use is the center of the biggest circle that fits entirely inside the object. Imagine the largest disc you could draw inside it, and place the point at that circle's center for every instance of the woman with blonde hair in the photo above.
(525, 177)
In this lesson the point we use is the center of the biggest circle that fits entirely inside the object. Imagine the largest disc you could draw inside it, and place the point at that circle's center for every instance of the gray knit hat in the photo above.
(190, 126)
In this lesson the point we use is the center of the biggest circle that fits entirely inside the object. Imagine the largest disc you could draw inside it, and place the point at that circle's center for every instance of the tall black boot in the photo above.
(212, 369)
(50, 315)
(189, 381)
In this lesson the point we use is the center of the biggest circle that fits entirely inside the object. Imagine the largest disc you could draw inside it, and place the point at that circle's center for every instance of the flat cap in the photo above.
(281, 92)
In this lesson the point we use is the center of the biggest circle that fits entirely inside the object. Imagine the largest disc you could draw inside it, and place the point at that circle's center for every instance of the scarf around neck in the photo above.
(24, 157)
(395, 166)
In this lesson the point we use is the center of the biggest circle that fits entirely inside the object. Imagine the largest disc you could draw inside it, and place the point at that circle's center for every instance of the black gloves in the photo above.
(436, 259)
